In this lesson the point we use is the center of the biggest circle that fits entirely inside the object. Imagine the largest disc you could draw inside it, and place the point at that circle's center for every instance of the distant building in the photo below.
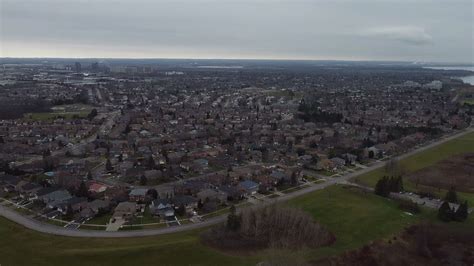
(95, 67)
(77, 67)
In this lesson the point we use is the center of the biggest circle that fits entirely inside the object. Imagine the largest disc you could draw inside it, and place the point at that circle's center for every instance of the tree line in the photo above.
(447, 214)
(385, 185)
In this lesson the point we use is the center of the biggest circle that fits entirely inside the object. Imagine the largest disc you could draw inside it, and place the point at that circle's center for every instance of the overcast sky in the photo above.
(421, 30)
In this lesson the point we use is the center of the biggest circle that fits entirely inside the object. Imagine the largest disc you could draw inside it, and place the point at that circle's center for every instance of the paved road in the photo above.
(56, 230)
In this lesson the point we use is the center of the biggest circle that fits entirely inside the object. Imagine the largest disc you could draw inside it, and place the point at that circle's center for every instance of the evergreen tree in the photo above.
(108, 165)
(92, 114)
(127, 129)
(48, 165)
(151, 162)
(69, 212)
(462, 212)
(181, 210)
(392, 184)
(152, 193)
(445, 213)
(143, 180)
(89, 175)
(382, 187)
(294, 179)
(200, 204)
(400, 184)
(82, 190)
(451, 196)
(46, 153)
(233, 220)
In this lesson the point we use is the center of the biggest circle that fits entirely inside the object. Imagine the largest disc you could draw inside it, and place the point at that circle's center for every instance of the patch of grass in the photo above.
(89, 227)
(71, 111)
(356, 217)
(310, 178)
(468, 101)
(293, 189)
(424, 159)
(22, 246)
(55, 115)
(325, 172)
(216, 213)
(103, 219)
(148, 217)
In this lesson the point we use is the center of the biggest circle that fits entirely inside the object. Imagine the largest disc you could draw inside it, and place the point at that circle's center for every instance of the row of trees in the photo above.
(446, 213)
(310, 112)
(277, 226)
(386, 185)
(451, 196)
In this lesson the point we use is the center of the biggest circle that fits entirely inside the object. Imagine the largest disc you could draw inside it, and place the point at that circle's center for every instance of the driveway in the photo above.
(56, 230)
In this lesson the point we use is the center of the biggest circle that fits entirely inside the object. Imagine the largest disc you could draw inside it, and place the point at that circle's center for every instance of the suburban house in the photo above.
(189, 202)
(211, 195)
(350, 158)
(162, 208)
(338, 162)
(138, 194)
(28, 190)
(9, 182)
(125, 210)
(97, 187)
(249, 187)
(55, 197)
(76, 203)
(233, 193)
(280, 176)
(94, 207)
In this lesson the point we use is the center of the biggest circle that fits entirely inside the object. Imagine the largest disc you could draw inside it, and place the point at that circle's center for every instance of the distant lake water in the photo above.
(467, 79)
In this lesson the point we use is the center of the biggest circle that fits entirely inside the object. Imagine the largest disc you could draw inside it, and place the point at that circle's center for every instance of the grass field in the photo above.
(24, 247)
(66, 111)
(424, 159)
(103, 219)
(468, 101)
(353, 216)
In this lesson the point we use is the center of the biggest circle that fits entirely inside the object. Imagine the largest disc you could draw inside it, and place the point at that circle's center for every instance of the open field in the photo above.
(457, 171)
(66, 111)
(356, 217)
(469, 101)
(463, 144)
(345, 211)
(24, 247)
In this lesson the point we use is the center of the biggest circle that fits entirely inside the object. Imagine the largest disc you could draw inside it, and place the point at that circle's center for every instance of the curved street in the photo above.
(56, 230)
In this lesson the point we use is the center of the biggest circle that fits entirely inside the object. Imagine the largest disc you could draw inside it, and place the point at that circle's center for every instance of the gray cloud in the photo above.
(406, 34)
(423, 30)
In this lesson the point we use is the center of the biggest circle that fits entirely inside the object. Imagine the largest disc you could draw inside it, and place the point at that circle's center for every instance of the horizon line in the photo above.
(415, 62)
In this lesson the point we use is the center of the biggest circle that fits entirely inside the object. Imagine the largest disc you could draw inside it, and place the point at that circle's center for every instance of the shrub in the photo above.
(271, 226)
(409, 206)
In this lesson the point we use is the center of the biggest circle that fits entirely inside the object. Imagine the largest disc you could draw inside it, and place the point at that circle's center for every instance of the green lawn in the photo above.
(103, 219)
(353, 216)
(426, 158)
(468, 101)
(21, 246)
(54, 115)
(68, 111)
